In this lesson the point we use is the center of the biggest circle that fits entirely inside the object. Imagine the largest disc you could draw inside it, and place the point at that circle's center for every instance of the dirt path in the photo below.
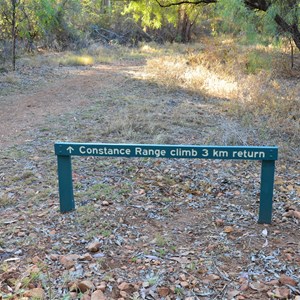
(23, 111)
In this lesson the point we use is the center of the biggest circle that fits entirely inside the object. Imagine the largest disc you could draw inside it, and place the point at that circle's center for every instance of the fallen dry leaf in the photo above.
(98, 295)
(281, 293)
(228, 229)
(36, 293)
(163, 291)
(232, 293)
(259, 286)
(93, 247)
(292, 213)
(85, 285)
(284, 279)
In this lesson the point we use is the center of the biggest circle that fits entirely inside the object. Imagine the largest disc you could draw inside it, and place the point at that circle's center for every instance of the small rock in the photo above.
(86, 256)
(85, 285)
(54, 257)
(98, 295)
(284, 279)
(244, 286)
(258, 286)
(93, 247)
(219, 222)
(67, 262)
(123, 286)
(212, 277)
(228, 229)
(264, 233)
(184, 284)
(119, 280)
(292, 213)
(85, 297)
(182, 277)
(232, 293)
(273, 282)
(99, 255)
(123, 294)
(102, 286)
(163, 291)
(73, 256)
(281, 293)
(36, 293)
(289, 256)
(36, 260)
(105, 203)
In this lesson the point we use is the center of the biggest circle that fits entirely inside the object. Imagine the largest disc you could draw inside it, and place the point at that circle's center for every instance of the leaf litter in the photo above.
(143, 228)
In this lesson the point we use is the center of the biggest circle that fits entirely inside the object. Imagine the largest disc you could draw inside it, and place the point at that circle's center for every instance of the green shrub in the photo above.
(258, 61)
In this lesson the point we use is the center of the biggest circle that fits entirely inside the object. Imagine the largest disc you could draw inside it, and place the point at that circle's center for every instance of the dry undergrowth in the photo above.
(261, 87)
(162, 226)
(255, 85)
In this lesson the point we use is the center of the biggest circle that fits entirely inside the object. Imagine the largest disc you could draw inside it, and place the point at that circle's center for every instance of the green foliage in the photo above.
(269, 26)
(148, 13)
(5, 18)
(256, 25)
(236, 17)
(257, 62)
(177, 21)
(39, 17)
(71, 23)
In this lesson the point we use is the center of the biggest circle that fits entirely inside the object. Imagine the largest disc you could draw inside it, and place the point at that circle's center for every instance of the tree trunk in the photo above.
(13, 33)
(105, 6)
(296, 36)
(293, 30)
(184, 26)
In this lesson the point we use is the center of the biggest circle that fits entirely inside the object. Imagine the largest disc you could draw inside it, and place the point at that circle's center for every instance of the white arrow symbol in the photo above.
(70, 149)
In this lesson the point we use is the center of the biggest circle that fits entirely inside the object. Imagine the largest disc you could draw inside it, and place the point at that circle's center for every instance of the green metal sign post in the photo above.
(267, 155)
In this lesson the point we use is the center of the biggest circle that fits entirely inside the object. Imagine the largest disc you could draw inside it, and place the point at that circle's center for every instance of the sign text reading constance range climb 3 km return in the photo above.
(267, 156)
(167, 151)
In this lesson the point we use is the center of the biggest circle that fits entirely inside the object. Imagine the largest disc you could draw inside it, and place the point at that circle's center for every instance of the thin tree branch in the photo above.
(186, 2)
(260, 5)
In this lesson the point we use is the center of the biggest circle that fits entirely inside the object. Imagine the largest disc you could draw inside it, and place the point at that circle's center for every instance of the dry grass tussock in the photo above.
(262, 89)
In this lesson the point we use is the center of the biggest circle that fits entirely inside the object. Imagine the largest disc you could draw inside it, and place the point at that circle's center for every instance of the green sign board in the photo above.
(267, 155)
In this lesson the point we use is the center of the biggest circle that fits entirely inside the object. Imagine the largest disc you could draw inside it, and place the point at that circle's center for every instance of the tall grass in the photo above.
(261, 89)
(255, 83)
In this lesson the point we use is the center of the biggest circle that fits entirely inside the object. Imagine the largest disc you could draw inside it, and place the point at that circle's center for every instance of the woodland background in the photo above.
(207, 72)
